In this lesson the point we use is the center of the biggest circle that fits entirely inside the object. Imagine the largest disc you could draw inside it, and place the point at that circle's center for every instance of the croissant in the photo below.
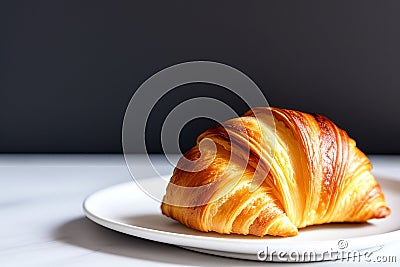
(308, 172)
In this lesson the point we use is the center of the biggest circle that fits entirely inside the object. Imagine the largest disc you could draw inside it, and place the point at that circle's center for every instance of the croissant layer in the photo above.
(272, 179)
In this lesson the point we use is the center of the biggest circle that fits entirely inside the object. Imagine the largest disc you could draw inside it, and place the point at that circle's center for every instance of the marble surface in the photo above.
(42, 223)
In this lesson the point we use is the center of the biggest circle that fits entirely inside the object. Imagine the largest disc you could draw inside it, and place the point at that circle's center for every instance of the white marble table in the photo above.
(42, 223)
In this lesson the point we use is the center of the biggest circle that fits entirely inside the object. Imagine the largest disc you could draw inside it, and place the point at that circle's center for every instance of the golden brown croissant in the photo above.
(315, 175)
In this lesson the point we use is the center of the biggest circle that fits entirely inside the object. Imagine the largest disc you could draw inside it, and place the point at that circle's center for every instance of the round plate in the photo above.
(125, 208)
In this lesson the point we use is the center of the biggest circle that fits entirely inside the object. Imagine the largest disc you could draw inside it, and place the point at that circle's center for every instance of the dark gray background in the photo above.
(69, 68)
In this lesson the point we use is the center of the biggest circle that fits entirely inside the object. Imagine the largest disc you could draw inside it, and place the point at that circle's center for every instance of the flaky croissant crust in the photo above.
(315, 175)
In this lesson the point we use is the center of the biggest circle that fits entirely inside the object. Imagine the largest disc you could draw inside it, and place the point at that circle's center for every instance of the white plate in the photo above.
(125, 208)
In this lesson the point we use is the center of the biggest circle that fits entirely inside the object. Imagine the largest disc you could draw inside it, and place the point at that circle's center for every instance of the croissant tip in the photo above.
(382, 212)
